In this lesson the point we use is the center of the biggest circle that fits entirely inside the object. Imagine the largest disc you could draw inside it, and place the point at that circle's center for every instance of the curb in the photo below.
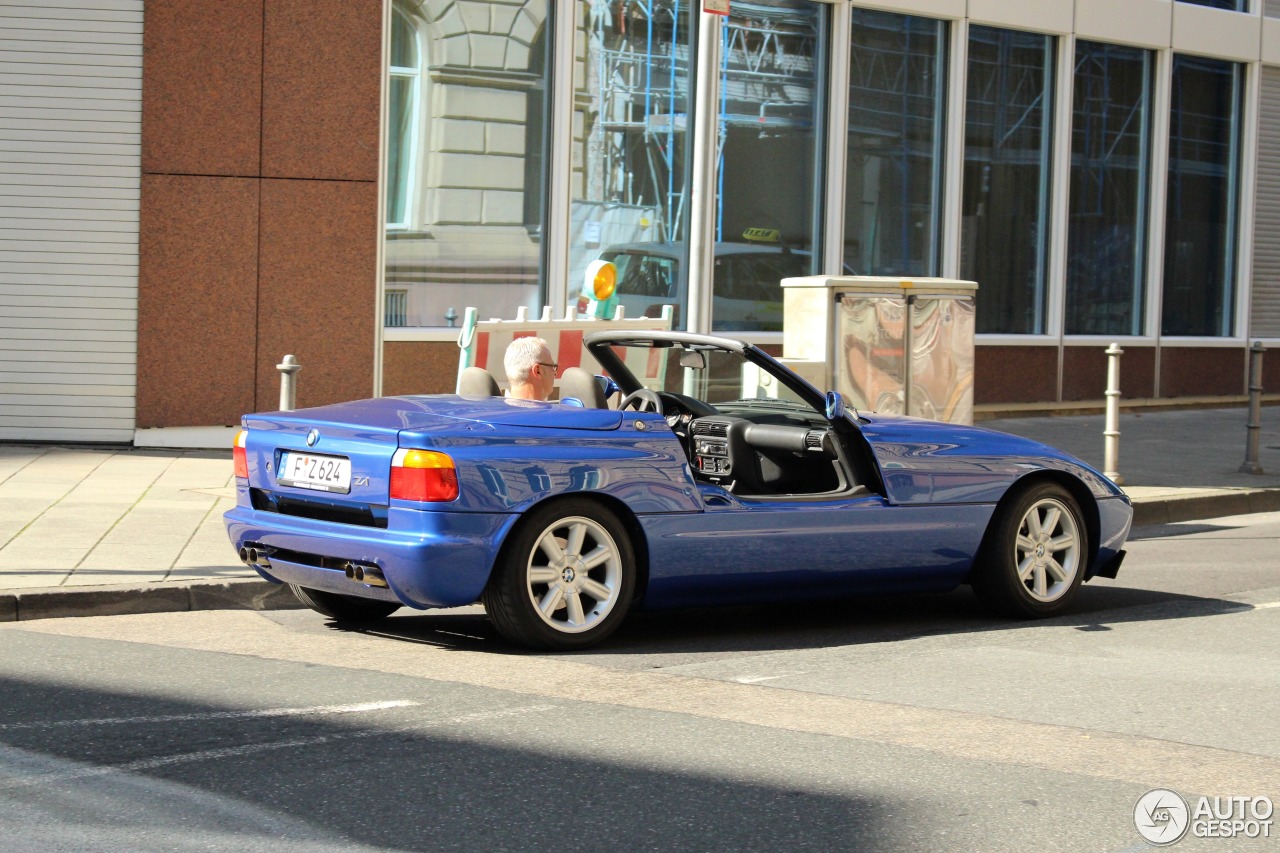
(122, 600)
(1195, 507)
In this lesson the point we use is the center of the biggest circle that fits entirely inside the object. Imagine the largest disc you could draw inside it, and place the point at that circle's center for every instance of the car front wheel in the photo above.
(565, 578)
(1034, 556)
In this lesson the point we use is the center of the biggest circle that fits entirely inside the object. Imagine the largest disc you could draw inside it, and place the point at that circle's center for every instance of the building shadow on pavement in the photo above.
(97, 769)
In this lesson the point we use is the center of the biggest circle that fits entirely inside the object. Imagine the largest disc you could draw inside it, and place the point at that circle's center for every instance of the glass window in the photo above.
(1008, 131)
(1200, 223)
(630, 196)
(1110, 151)
(1233, 5)
(633, 98)
(402, 109)
(772, 82)
(467, 116)
(897, 89)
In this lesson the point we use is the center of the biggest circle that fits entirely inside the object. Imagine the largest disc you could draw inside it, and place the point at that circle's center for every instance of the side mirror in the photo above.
(835, 406)
(607, 385)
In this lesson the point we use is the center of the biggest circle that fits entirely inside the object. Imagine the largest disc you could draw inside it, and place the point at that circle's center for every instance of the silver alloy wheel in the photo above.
(574, 574)
(1047, 551)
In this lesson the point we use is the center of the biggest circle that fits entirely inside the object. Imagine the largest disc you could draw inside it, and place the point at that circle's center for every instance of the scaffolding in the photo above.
(640, 58)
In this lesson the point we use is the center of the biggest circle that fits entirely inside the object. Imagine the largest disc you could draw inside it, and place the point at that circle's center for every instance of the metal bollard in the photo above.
(1111, 432)
(288, 385)
(1254, 425)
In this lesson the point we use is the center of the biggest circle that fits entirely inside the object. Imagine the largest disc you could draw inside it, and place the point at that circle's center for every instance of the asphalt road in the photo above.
(912, 723)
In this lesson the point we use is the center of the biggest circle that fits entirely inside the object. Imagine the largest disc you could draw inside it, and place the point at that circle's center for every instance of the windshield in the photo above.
(644, 275)
(709, 374)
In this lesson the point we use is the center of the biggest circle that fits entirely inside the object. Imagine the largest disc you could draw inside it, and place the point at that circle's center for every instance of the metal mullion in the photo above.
(1158, 191)
(559, 161)
(704, 153)
(953, 191)
(380, 281)
(837, 146)
(1246, 183)
(1059, 208)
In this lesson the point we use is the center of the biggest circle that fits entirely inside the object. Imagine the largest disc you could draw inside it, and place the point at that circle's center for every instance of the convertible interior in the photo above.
(737, 434)
(755, 452)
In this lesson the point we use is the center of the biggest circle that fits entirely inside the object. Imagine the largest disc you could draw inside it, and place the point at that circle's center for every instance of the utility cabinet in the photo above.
(890, 345)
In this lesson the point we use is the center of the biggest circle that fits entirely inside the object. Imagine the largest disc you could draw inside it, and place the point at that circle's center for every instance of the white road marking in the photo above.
(1130, 758)
(756, 679)
(315, 710)
(145, 764)
(1246, 607)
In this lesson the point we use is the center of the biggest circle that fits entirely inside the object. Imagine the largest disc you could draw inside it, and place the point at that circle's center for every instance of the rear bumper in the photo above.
(429, 559)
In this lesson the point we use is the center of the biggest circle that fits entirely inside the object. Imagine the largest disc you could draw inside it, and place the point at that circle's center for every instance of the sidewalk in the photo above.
(97, 531)
(1176, 465)
(93, 531)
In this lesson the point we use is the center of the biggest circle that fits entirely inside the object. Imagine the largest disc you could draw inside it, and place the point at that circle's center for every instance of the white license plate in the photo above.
(309, 471)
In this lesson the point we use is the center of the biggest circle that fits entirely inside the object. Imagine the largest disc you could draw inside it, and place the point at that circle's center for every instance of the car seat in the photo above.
(477, 382)
(580, 385)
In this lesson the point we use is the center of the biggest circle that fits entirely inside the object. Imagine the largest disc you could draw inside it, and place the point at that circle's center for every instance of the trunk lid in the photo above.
(367, 433)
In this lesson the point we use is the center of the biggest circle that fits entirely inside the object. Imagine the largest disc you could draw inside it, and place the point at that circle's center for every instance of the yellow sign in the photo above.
(716, 7)
(762, 235)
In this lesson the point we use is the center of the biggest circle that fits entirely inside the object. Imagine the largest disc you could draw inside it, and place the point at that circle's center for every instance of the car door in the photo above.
(752, 550)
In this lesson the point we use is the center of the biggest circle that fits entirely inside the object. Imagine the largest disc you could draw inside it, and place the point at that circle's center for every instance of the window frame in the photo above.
(414, 75)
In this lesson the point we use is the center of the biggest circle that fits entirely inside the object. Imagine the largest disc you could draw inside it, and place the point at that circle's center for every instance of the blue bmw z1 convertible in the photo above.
(729, 480)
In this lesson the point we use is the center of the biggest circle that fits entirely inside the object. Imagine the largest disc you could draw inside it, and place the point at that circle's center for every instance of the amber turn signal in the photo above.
(240, 456)
(423, 475)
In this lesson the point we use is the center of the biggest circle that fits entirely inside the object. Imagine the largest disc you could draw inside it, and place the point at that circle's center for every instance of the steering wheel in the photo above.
(642, 400)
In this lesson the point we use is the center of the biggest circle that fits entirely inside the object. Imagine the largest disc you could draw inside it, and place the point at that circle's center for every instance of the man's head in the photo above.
(531, 371)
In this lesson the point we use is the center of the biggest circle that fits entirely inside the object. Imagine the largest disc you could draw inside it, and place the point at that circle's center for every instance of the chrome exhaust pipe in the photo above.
(254, 555)
(366, 574)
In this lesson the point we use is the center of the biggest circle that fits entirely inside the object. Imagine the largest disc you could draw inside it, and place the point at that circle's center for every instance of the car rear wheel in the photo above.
(565, 578)
(1034, 556)
(344, 608)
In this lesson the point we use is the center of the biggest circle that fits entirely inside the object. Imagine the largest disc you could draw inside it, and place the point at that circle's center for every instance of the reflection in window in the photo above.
(630, 196)
(402, 108)
(1200, 224)
(767, 212)
(1232, 5)
(1008, 133)
(458, 209)
(396, 309)
(895, 155)
(633, 99)
(1106, 246)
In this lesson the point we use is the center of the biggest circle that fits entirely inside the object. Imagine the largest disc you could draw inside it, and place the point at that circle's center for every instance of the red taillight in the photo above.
(239, 457)
(423, 475)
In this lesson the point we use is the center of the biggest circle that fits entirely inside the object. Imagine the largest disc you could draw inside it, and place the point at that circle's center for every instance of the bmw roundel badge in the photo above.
(313, 437)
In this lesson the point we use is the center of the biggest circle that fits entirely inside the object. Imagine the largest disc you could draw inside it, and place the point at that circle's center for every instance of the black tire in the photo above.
(585, 601)
(344, 608)
(1053, 560)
